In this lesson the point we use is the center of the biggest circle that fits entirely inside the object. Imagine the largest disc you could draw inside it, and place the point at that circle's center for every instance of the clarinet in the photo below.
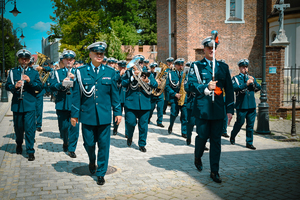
(21, 91)
(68, 75)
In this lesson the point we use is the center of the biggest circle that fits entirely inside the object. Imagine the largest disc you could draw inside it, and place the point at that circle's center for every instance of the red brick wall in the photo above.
(196, 19)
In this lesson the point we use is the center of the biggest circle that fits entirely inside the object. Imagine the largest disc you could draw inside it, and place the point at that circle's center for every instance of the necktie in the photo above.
(96, 70)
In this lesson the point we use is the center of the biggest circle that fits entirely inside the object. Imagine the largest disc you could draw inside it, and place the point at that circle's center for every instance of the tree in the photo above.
(9, 45)
(114, 47)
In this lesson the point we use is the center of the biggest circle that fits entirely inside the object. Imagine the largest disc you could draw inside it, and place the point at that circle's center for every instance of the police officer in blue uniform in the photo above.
(173, 85)
(122, 90)
(104, 62)
(63, 102)
(157, 101)
(210, 114)
(137, 101)
(244, 86)
(146, 65)
(96, 94)
(23, 81)
(170, 61)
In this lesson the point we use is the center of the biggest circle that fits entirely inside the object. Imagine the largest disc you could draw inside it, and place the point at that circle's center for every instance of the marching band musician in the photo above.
(96, 94)
(156, 100)
(146, 64)
(40, 97)
(170, 61)
(244, 86)
(209, 114)
(23, 81)
(63, 103)
(104, 62)
(122, 90)
(173, 85)
(137, 103)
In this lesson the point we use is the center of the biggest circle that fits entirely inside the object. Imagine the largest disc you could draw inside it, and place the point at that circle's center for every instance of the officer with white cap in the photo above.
(23, 82)
(96, 94)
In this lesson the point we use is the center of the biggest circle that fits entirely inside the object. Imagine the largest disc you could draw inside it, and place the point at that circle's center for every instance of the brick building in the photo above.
(238, 22)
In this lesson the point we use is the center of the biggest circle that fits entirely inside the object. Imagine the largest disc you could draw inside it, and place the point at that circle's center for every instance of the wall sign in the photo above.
(272, 70)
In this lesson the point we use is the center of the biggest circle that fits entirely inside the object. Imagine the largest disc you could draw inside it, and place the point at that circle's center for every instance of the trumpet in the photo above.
(22, 86)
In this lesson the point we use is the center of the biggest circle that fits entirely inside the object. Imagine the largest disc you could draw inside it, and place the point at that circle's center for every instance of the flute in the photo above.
(22, 73)
(214, 35)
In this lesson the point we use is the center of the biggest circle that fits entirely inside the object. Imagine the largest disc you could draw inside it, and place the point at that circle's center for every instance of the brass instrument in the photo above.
(68, 84)
(21, 90)
(135, 63)
(182, 91)
(40, 61)
(161, 76)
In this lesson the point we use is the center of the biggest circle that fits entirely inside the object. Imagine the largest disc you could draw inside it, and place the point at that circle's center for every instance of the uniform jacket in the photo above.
(62, 101)
(29, 89)
(173, 84)
(121, 89)
(93, 106)
(199, 76)
(244, 94)
(136, 97)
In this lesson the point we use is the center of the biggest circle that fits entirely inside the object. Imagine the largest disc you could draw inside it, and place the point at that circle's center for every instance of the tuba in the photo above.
(40, 61)
(182, 91)
(135, 63)
(163, 79)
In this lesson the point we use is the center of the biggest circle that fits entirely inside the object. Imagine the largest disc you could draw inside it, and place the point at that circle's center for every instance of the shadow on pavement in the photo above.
(52, 147)
(51, 135)
(50, 111)
(50, 118)
(11, 135)
(271, 173)
(177, 142)
(11, 148)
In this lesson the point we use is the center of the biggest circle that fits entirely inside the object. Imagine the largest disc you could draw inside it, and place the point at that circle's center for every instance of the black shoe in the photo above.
(225, 135)
(148, 121)
(206, 149)
(100, 180)
(232, 140)
(129, 141)
(65, 147)
(250, 146)
(160, 125)
(216, 177)
(39, 129)
(188, 141)
(72, 154)
(126, 136)
(170, 130)
(164, 112)
(92, 168)
(183, 135)
(198, 164)
(19, 149)
(31, 157)
(142, 149)
(115, 132)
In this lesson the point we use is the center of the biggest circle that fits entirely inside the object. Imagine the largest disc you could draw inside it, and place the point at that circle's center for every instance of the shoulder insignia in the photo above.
(233, 80)
(192, 71)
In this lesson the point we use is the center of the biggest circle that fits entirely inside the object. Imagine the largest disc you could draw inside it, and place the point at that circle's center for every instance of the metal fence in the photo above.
(291, 85)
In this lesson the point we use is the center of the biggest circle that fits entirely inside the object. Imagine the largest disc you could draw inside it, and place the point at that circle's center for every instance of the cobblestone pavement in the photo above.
(165, 171)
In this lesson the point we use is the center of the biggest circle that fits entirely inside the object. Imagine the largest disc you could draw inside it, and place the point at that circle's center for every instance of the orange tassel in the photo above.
(218, 91)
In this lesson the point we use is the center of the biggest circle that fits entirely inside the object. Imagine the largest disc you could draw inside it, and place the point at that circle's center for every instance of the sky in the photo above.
(34, 19)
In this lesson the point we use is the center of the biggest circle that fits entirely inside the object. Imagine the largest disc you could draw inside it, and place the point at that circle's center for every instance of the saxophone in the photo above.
(40, 61)
(162, 77)
(182, 91)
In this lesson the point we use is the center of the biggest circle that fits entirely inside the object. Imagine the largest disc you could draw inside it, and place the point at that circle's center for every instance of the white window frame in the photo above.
(239, 8)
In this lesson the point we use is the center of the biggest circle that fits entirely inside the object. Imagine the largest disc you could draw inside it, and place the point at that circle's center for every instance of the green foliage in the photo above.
(82, 22)
(114, 48)
(9, 45)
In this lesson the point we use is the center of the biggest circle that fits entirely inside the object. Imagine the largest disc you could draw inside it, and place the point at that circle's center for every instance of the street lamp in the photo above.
(15, 12)
(22, 37)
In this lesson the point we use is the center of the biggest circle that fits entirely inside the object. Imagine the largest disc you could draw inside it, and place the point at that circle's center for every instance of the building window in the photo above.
(234, 11)
(141, 49)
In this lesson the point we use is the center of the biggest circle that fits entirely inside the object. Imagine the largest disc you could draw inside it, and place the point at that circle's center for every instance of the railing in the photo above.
(291, 85)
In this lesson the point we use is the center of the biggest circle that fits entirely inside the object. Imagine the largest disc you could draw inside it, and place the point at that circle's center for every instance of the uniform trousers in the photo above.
(68, 132)
(39, 110)
(190, 123)
(249, 115)
(183, 116)
(211, 129)
(25, 122)
(100, 135)
(159, 101)
(115, 124)
(132, 117)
